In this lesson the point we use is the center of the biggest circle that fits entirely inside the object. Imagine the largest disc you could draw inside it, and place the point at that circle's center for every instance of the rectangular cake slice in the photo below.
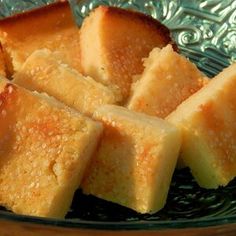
(44, 149)
(135, 160)
(207, 120)
(167, 80)
(51, 27)
(114, 41)
(44, 71)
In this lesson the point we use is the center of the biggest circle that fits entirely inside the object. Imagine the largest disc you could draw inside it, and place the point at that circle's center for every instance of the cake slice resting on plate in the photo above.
(51, 27)
(207, 120)
(44, 71)
(134, 163)
(168, 79)
(113, 42)
(44, 149)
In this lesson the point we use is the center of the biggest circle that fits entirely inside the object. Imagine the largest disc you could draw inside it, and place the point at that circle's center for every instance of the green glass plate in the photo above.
(205, 31)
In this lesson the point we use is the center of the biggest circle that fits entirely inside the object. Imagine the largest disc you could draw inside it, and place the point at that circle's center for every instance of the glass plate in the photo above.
(205, 31)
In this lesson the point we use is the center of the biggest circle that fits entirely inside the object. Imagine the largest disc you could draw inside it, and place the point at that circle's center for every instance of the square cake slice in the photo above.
(44, 149)
(114, 41)
(135, 160)
(208, 122)
(167, 80)
(51, 27)
(44, 71)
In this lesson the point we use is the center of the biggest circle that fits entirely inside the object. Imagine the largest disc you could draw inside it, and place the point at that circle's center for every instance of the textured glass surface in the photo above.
(11, 7)
(205, 31)
(186, 200)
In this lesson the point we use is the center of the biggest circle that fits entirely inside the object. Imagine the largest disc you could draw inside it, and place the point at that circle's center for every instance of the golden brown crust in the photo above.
(50, 27)
(42, 11)
(44, 149)
(44, 71)
(152, 23)
(113, 43)
(129, 167)
(167, 80)
(207, 119)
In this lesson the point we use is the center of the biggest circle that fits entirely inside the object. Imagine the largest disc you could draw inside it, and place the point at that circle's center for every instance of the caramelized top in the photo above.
(211, 114)
(168, 79)
(43, 150)
(44, 71)
(122, 38)
(50, 27)
(128, 37)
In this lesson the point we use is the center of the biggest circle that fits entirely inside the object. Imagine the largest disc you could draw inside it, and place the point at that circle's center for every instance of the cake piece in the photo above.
(135, 160)
(2, 63)
(44, 72)
(207, 119)
(114, 41)
(167, 80)
(49, 27)
(44, 149)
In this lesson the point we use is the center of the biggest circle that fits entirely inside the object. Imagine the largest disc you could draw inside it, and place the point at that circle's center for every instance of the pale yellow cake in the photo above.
(167, 80)
(135, 160)
(51, 27)
(44, 71)
(114, 41)
(2, 63)
(44, 149)
(208, 122)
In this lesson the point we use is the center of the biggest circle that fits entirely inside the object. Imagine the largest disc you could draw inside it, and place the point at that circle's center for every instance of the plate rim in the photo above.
(149, 225)
(121, 225)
